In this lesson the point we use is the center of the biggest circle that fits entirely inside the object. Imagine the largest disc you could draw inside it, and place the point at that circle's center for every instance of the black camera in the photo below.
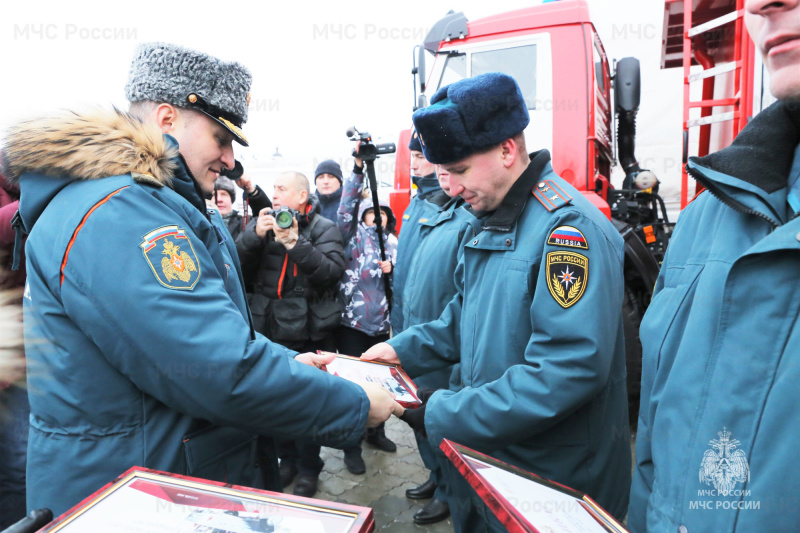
(284, 215)
(369, 151)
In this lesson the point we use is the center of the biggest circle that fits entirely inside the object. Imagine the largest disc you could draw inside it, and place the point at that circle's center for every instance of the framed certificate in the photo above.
(390, 377)
(149, 501)
(525, 502)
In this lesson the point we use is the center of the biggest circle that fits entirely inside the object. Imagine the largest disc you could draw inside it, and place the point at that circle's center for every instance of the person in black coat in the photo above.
(328, 181)
(225, 195)
(297, 271)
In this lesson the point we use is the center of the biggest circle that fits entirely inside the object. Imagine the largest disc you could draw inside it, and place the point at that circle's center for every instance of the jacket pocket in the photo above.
(288, 320)
(323, 316)
(665, 310)
(223, 454)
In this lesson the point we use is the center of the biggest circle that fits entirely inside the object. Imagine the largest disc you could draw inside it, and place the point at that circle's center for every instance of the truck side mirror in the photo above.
(627, 85)
(421, 69)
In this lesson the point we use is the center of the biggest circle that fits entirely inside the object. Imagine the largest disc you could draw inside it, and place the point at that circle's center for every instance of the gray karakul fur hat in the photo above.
(225, 184)
(162, 72)
(469, 116)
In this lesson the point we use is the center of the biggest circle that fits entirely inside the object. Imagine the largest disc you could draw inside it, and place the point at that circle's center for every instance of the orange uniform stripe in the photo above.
(80, 226)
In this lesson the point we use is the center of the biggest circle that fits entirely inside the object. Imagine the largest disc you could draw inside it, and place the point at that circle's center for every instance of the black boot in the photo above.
(435, 511)
(354, 462)
(306, 484)
(377, 437)
(423, 491)
(287, 469)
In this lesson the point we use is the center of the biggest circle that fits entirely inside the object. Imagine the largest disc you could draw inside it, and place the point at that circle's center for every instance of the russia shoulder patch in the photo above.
(568, 236)
(567, 277)
(171, 257)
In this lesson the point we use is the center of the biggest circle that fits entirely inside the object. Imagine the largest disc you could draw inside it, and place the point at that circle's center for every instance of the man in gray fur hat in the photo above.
(134, 280)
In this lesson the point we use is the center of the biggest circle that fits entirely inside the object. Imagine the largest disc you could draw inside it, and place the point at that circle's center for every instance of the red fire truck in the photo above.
(574, 98)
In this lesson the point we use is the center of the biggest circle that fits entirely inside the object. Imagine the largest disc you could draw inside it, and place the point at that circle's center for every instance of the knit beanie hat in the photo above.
(329, 166)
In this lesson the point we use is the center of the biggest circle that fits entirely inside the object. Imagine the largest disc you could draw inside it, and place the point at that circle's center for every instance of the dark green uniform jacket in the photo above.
(138, 337)
(418, 212)
(721, 340)
(537, 328)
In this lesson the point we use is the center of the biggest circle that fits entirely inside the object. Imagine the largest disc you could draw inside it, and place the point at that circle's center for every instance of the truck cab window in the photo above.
(455, 68)
(518, 62)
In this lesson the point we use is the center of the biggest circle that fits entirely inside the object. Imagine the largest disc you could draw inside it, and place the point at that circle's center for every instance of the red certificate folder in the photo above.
(149, 501)
(390, 377)
(525, 502)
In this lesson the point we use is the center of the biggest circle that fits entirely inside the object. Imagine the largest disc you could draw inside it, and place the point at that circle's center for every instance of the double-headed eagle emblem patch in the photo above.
(171, 257)
(567, 276)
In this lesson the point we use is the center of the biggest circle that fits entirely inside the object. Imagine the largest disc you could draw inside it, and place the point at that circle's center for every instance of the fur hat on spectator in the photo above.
(224, 184)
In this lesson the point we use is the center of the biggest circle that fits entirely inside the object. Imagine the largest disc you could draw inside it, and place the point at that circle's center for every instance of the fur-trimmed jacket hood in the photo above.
(46, 154)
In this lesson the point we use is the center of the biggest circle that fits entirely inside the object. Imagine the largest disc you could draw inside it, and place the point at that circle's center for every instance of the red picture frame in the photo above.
(467, 462)
(400, 384)
(212, 506)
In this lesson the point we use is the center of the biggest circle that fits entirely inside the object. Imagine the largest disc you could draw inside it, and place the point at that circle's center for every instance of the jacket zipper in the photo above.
(727, 200)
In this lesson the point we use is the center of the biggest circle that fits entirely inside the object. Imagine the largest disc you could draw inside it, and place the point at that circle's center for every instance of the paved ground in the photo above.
(383, 486)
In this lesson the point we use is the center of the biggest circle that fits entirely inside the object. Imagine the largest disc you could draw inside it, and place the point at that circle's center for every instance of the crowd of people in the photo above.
(501, 298)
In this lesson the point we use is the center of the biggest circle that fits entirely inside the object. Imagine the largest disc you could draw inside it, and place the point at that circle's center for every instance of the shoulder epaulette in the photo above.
(550, 195)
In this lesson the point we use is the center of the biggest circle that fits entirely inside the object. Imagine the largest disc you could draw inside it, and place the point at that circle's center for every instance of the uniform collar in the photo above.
(505, 217)
(183, 182)
(751, 175)
(439, 198)
(426, 185)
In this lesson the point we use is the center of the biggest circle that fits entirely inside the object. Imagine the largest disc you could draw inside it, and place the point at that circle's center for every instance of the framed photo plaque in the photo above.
(390, 377)
(525, 502)
(149, 501)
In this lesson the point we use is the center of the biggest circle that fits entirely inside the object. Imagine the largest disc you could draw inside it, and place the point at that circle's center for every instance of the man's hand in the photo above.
(382, 352)
(359, 163)
(264, 223)
(287, 237)
(381, 404)
(245, 184)
(386, 266)
(315, 359)
(416, 417)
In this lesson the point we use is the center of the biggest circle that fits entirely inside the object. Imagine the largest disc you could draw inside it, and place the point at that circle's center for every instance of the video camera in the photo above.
(284, 215)
(368, 151)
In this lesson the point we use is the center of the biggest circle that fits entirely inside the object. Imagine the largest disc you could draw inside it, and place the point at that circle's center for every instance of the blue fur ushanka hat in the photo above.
(469, 116)
(162, 72)
(414, 144)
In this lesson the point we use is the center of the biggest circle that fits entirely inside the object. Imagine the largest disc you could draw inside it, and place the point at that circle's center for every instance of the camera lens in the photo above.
(284, 219)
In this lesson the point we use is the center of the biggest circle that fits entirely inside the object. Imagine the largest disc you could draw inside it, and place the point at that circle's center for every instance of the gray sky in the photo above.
(318, 66)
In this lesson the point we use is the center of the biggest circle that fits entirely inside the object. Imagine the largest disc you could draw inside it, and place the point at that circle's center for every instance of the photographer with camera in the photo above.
(253, 197)
(298, 260)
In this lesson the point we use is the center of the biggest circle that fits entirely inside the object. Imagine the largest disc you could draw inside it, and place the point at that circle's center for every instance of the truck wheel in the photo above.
(632, 318)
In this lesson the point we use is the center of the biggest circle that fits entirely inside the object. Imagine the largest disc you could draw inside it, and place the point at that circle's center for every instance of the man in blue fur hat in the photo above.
(536, 323)
(132, 280)
(418, 212)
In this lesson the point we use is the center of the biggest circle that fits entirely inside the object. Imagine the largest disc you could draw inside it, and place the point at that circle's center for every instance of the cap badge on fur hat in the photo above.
(469, 116)
(162, 72)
